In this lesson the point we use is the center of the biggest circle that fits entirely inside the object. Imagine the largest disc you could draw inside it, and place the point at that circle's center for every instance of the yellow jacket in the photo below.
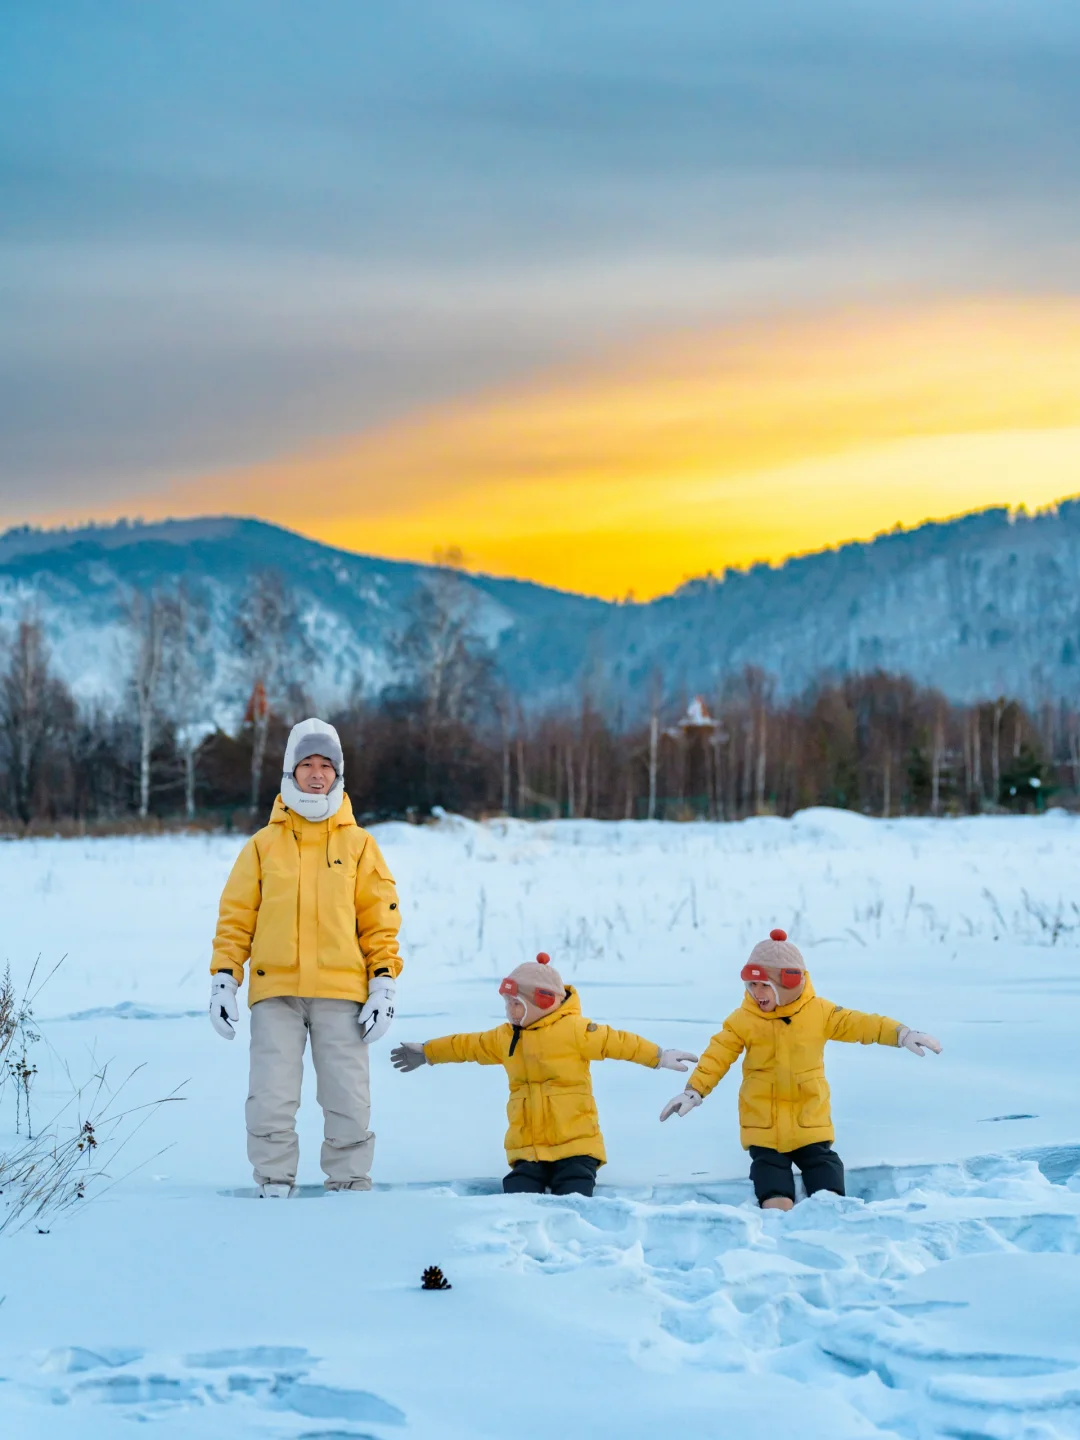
(784, 1097)
(551, 1108)
(313, 904)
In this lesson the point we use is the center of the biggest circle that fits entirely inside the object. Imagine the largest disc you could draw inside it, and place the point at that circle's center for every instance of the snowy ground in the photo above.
(941, 1298)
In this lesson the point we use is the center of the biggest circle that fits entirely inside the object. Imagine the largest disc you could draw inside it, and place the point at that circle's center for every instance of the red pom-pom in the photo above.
(777, 934)
(543, 958)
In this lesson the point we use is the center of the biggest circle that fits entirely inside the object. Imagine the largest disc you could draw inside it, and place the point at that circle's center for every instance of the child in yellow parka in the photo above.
(784, 1099)
(546, 1046)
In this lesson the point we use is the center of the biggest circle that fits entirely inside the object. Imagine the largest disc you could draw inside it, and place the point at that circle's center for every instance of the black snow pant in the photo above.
(770, 1170)
(573, 1175)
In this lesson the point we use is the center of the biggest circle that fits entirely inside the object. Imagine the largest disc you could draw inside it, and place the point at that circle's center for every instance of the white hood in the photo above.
(313, 737)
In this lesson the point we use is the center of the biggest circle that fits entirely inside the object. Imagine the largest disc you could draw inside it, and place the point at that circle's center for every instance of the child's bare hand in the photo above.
(681, 1105)
(917, 1041)
(675, 1060)
(408, 1056)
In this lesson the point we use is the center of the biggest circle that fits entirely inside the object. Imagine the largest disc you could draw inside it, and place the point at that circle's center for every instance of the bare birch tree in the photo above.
(758, 687)
(33, 707)
(522, 776)
(151, 619)
(995, 747)
(188, 663)
(937, 756)
(449, 666)
(656, 700)
(276, 650)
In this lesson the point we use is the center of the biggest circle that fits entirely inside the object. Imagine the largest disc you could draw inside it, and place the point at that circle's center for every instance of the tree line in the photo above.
(448, 732)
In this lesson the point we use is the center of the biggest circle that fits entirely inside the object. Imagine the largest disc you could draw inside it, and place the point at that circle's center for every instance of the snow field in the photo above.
(937, 1299)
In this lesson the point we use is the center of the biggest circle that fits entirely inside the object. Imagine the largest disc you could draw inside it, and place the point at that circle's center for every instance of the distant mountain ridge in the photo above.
(353, 608)
(983, 605)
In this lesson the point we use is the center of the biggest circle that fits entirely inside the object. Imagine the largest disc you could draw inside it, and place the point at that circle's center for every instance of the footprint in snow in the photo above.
(276, 1377)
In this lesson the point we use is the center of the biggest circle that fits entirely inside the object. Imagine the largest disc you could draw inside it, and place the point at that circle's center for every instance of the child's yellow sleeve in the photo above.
(855, 1027)
(484, 1047)
(604, 1042)
(720, 1054)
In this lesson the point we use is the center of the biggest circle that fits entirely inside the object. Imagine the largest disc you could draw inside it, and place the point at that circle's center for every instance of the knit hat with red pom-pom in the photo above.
(775, 962)
(539, 974)
(777, 953)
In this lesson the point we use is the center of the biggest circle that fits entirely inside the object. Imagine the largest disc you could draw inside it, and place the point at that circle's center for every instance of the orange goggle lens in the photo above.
(541, 998)
(789, 979)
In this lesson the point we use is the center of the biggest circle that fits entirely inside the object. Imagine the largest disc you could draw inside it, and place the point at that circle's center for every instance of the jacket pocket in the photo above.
(384, 888)
(340, 952)
(271, 957)
(571, 1115)
(516, 1138)
(273, 946)
(813, 1111)
(757, 1102)
(338, 942)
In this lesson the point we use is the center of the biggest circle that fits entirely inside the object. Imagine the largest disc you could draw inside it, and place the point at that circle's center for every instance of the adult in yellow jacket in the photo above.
(312, 911)
(781, 1029)
(546, 1047)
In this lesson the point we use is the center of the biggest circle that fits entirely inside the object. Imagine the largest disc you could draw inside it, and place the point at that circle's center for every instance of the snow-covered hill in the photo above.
(980, 606)
(938, 1299)
(353, 608)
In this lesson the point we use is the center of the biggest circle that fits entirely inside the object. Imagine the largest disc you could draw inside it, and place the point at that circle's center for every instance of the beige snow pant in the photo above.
(279, 1030)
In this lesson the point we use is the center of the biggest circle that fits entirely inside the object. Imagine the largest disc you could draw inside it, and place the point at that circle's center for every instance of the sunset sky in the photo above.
(605, 295)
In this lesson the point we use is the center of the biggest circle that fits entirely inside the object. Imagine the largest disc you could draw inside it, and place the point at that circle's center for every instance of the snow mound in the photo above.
(821, 825)
(949, 1309)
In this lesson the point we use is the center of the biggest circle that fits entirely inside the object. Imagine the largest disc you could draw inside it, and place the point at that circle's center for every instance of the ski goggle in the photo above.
(789, 979)
(542, 998)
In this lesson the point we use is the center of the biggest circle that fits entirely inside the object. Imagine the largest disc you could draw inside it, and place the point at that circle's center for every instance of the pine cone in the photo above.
(434, 1279)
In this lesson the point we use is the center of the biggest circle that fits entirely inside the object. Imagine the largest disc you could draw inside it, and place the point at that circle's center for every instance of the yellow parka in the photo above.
(551, 1109)
(313, 904)
(784, 1097)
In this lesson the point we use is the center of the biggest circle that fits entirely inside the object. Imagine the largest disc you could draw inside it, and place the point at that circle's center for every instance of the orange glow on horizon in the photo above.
(695, 452)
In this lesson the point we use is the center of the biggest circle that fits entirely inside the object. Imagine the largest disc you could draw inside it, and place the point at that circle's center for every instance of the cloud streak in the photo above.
(231, 229)
(702, 450)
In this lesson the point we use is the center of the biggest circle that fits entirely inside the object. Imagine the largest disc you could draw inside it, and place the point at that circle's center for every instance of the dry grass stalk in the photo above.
(65, 1162)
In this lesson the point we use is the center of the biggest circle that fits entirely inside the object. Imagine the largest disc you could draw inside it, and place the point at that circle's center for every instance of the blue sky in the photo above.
(230, 229)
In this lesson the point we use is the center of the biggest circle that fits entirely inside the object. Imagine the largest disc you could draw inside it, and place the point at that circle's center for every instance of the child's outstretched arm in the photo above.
(484, 1047)
(720, 1054)
(855, 1027)
(604, 1042)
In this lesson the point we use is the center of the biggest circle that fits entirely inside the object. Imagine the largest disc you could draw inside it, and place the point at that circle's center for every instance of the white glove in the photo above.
(675, 1060)
(408, 1056)
(681, 1105)
(917, 1041)
(224, 1013)
(378, 1010)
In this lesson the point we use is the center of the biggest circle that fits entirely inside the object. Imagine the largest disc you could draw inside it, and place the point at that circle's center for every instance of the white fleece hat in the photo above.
(313, 737)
